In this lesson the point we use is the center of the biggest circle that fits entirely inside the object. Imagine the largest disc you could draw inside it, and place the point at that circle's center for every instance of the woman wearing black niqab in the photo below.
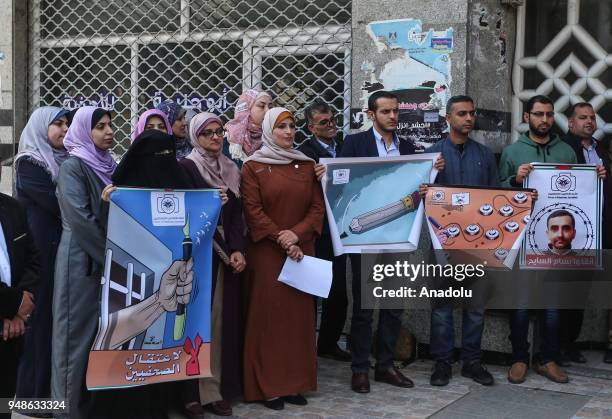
(150, 162)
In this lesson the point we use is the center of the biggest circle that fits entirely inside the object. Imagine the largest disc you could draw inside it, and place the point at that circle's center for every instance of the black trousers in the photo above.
(571, 323)
(9, 360)
(333, 315)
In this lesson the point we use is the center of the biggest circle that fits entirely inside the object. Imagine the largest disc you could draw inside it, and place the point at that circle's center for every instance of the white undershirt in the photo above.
(5, 263)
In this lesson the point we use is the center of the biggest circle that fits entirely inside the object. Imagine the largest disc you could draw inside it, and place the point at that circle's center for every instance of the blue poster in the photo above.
(156, 288)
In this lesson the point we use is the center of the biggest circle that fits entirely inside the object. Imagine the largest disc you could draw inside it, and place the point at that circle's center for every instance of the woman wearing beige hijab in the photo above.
(283, 207)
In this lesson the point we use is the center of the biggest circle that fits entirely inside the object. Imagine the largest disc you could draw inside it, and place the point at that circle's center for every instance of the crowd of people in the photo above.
(264, 341)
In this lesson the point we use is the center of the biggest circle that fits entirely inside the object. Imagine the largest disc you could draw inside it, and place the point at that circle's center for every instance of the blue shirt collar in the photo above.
(379, 138)
(331, 148)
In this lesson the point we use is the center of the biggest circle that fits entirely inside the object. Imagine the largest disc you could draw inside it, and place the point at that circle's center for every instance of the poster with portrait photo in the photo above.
(565, 228)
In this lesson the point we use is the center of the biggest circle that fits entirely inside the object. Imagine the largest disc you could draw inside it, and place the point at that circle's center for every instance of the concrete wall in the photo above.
(491, 45)
(6, 92)
(483, 52)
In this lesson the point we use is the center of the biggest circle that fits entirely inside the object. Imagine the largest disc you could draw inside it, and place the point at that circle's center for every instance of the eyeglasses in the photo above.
(327, 122)
(541, 114)
(209, 133)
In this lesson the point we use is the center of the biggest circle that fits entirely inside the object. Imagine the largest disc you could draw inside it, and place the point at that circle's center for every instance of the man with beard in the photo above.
(379, 141)
(582, 124)
(536, 145)
(561, 230)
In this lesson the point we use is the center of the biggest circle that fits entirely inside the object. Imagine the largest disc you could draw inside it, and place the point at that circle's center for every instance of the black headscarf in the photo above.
(150, 162)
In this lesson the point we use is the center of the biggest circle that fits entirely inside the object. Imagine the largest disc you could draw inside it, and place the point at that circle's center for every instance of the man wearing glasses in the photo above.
(324, 144)
(536, 145)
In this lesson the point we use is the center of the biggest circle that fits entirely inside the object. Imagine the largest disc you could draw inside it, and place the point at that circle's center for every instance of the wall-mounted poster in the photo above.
(478, 225)
(565, 229)
(156, 288)
(420, 77)
(373, 204)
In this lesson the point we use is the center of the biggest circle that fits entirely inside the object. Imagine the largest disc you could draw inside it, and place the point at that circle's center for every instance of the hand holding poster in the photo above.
(156, 289)
(478, 224)
(374, 204)
(565, 230)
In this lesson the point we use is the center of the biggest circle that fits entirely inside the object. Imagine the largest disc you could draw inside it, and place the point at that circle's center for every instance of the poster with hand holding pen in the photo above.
(156, 288)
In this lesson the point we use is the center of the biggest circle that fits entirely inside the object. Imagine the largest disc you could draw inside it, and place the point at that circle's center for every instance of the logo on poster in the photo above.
(437, 196)
(167, 204)
(168, 208)
(462, 198)
(563, 182)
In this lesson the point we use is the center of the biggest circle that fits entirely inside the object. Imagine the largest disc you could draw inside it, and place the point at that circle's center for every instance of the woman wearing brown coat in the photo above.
(283, 207)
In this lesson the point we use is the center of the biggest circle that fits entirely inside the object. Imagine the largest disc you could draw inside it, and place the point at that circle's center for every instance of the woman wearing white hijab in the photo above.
(283, 207)
(41, 152)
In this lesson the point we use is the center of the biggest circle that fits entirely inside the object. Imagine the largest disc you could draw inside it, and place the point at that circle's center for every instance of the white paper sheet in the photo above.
(310, 275)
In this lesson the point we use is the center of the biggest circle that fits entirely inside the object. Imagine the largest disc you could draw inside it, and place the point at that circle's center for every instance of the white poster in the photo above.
(373, 204)
(565, 229)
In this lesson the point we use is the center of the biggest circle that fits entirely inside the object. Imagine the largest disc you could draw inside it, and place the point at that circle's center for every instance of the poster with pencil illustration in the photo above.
(156, 288)
(373, 204)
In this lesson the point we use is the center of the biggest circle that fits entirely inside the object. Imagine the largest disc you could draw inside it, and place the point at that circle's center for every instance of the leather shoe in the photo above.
(394, 377)
(296, 399)
(335, 354)
(442, 374)
(360, 383)
(517, 373)
(194, 410)
(477, 372)
(552, 371)
(219, 408)
(275, 404)
(608, 356)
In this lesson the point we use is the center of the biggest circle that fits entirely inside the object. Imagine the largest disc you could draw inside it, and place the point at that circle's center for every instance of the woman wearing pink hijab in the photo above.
(152, 119)
(207, 167)
(244, 131)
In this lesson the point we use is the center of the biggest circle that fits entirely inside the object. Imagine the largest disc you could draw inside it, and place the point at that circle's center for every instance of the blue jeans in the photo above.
(389, 324)
(442, 341)
(519, 328)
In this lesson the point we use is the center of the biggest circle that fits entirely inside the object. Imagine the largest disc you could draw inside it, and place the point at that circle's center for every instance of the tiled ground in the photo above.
(334, 399)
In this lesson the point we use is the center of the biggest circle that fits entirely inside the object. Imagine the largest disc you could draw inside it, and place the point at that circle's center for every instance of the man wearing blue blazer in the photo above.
(379, 141)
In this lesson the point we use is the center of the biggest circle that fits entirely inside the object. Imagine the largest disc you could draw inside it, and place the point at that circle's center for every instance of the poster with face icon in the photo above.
(475, 225)
(565, 229)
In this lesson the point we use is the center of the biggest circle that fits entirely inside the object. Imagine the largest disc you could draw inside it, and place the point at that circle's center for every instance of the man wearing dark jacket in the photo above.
(582, 124)
(379, 141)
(323, 144)
(18, 278)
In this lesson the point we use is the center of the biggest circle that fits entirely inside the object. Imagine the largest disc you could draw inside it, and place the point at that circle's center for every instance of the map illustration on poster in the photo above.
(420, 77)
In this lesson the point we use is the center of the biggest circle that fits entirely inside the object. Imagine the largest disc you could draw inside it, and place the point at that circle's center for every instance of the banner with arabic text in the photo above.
(156, 288)
(565, 230)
